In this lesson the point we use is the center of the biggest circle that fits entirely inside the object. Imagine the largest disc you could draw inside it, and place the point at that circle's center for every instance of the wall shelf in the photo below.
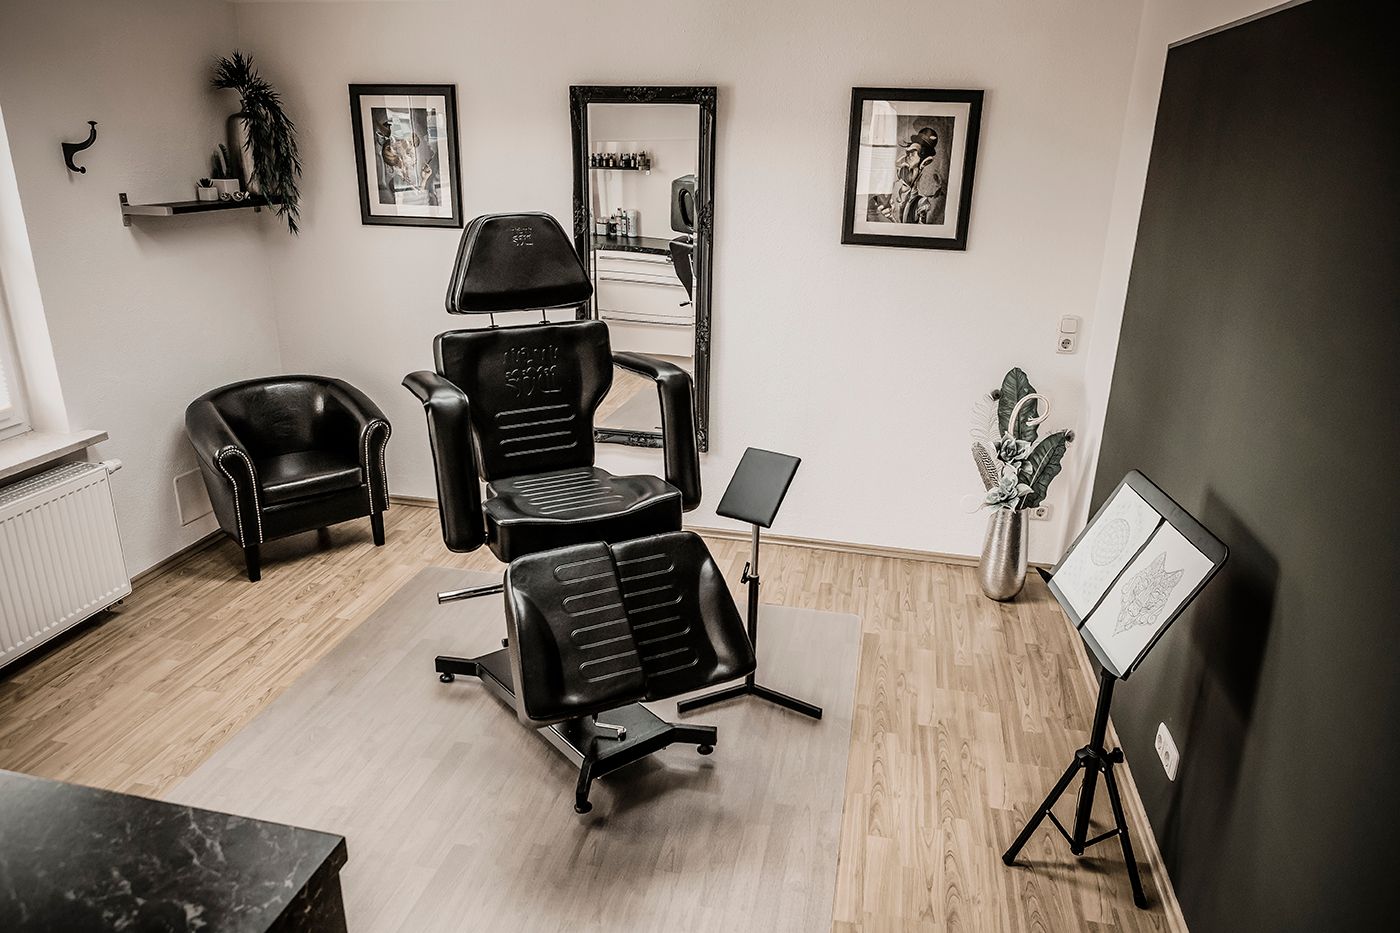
(173, 208)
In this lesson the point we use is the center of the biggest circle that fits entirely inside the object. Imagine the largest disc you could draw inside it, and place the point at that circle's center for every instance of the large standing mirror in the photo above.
(644, 169)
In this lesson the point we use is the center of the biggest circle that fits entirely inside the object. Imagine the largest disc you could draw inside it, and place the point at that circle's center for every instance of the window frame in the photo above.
(15, 420)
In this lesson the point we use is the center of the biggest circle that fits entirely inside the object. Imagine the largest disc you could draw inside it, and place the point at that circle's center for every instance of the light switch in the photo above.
(1068, 339)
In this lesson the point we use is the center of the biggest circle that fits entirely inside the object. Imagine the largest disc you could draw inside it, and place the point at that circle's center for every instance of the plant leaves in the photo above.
(1015, 387)
(1042, 466)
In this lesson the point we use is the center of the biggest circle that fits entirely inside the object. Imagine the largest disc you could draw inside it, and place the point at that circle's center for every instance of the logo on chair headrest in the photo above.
(522, 236)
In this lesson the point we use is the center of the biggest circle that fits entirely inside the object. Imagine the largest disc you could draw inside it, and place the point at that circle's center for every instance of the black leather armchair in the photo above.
(289, 454)
(514, 406)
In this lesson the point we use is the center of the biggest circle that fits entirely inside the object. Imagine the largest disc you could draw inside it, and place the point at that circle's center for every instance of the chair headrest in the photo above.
(516, 262)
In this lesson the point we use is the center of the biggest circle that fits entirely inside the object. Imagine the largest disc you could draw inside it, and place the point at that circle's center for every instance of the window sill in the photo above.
(34, 450)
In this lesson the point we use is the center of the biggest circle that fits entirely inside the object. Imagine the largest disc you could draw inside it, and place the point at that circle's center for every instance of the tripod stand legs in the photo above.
(1041, 812)
(1090, 761)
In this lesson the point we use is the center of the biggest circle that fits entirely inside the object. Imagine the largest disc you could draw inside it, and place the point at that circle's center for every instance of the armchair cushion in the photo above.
(288, 477)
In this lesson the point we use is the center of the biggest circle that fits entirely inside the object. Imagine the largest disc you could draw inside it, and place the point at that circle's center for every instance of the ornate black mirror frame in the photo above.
(580, 96)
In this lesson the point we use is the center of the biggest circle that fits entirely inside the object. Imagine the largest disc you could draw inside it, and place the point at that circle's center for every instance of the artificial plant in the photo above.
(272, 140)
(1015, 464)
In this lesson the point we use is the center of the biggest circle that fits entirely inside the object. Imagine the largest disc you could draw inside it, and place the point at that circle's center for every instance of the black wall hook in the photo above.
(72, 149)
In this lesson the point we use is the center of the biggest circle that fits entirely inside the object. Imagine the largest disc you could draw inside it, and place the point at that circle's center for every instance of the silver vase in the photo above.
(240, 153)
(1002, 571)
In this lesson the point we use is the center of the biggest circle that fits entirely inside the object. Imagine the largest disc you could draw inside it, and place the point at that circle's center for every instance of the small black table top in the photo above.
(756, 492)
(82, 860)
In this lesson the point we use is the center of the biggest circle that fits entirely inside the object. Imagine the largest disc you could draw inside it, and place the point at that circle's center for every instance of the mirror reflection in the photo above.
(643, 161)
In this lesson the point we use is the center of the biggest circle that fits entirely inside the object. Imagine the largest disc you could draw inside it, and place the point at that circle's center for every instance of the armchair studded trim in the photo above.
(372, 462)
(248, 490)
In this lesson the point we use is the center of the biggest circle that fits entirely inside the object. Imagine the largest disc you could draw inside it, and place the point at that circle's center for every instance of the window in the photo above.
(12, 414)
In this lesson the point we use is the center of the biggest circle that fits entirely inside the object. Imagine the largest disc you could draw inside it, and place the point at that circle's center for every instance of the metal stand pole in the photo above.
(750, 686)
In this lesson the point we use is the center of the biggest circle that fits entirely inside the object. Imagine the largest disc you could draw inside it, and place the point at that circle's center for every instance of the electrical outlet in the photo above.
(1041, 513)
(1166, 750)
(191, 497)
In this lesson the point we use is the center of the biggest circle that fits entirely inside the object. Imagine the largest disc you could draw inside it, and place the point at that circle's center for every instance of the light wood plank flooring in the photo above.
(966, 710)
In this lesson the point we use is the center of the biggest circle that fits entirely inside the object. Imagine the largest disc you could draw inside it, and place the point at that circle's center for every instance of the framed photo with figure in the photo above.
(406, 154)
(909, 167)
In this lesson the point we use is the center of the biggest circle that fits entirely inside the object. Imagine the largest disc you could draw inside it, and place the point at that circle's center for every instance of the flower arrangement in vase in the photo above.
(1016, 466)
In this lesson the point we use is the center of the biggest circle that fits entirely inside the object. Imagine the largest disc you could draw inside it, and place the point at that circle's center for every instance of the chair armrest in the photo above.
(676, 392)
(224, 457)
(372, 439)
(458, 481)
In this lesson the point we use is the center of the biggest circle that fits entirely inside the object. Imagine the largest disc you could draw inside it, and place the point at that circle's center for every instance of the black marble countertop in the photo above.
(76, 859)
(633, 244)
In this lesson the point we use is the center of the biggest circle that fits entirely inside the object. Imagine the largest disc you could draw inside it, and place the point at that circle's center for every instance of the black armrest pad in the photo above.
(458, 482)
(676, 392)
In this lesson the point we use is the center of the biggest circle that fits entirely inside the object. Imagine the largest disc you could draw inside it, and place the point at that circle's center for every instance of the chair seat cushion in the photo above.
(526, 514)
(288, 477)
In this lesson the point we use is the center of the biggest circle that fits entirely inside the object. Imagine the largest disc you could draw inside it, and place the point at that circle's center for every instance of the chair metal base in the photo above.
(750, 688)
(594, 747)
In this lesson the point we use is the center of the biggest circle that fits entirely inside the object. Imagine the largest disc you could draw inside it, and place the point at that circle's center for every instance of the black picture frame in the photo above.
(704, 97)
(967, 165)
(448, 92)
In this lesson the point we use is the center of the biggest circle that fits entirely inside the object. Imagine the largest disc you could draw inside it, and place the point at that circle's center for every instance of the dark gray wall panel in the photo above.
(1256, 382)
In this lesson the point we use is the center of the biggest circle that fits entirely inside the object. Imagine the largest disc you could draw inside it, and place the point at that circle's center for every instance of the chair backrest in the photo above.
(516, 262)
(595, 626)
(682, 259)
(532, 392)
(279, 414)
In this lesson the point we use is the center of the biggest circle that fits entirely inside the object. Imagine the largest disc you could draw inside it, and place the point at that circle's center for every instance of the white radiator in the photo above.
(60, 555)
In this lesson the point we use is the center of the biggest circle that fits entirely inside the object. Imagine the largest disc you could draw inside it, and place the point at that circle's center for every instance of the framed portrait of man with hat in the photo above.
(909, 167)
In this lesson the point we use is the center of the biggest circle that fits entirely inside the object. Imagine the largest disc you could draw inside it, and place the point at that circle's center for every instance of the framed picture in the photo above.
(909, 167)
(406, 154)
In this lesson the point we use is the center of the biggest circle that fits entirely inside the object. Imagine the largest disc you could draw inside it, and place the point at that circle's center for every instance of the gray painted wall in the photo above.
(1256, 382)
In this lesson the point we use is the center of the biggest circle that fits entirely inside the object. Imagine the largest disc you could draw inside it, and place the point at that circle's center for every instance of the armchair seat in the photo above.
(541, 511)
(287, 477)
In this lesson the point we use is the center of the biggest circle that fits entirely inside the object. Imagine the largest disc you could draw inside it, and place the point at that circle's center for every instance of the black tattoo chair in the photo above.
(289, 454)
(514, 406)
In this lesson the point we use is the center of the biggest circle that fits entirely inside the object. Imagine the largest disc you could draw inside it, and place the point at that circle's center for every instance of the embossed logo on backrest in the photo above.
(533, 370)
(522, 236)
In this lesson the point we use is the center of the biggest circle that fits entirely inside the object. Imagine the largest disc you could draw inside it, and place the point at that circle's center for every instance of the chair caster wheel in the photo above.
(584, 807)
(705, 749)
(447, 678)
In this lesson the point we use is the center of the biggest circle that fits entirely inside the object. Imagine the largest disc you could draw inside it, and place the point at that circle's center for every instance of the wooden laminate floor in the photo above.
(966, 710)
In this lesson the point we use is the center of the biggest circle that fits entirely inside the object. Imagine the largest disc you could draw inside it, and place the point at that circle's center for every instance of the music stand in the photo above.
(1116, 586)
(754, 496)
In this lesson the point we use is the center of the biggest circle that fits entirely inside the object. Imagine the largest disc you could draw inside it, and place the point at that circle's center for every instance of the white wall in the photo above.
(1164, 22)
(141, 319)
(865, 361)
